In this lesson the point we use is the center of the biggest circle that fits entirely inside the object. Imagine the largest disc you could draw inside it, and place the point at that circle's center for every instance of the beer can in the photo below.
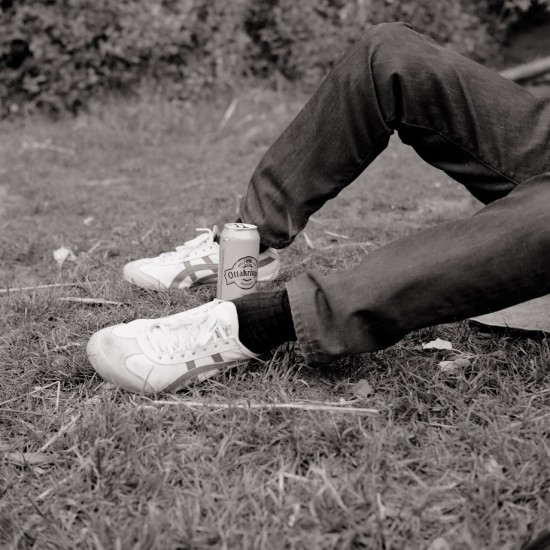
(238, 267)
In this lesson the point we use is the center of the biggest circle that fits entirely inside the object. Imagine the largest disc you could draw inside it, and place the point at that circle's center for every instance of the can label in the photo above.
(244, 273)
(238, 267)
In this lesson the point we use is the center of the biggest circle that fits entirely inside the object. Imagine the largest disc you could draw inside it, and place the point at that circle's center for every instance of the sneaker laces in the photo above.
(181, 252)
(184, 335)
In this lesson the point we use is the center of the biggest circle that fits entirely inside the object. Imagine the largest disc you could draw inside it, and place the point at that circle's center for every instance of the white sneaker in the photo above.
(154, 355)
(193, 263)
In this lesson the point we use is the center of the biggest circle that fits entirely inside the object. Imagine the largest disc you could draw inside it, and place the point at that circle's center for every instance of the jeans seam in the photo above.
(298, 317)
(480, 160)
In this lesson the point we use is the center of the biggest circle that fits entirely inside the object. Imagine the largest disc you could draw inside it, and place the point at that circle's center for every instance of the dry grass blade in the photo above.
(30, 459)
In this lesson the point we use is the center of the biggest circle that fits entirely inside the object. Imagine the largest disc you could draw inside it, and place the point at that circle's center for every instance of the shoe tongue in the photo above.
(226, 313)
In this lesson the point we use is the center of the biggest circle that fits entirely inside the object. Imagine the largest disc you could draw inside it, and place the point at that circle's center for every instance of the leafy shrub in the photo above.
(54, 55)
(503, 14)
(302, 39)
(57, 54)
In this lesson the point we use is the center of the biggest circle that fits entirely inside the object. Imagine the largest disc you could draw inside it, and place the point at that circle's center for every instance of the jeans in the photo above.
(481, 129)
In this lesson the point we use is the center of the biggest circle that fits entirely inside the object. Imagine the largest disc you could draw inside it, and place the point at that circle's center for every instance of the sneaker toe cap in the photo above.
(109, 354)
(133, 273)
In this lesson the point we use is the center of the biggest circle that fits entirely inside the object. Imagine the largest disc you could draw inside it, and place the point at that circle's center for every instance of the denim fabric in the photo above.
(481, 129)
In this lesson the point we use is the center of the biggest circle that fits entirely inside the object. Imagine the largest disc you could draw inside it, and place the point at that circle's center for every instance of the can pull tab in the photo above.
(240, 225)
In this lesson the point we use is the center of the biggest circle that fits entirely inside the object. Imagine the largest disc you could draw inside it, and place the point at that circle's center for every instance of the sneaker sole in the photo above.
(199, 374)
(132, 383)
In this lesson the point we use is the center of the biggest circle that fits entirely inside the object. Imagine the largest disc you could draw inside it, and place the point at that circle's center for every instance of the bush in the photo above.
(302, 39)
(57, 54)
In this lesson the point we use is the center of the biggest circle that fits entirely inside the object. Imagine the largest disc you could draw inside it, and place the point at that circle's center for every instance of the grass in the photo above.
(454, 460)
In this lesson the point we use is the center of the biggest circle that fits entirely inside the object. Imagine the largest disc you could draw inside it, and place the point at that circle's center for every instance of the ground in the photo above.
(453, 459)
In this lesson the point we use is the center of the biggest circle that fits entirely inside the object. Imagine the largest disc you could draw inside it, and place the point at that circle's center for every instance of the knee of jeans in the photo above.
(392, 48)
(387, 36)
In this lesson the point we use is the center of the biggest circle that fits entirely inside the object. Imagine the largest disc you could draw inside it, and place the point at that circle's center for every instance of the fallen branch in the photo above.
(528, 70)
(268, 406)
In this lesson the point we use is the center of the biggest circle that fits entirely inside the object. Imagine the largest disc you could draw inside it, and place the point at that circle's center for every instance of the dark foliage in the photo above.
(57, 54)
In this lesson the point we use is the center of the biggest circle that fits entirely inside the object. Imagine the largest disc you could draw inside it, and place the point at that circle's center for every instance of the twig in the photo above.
(45, 493)
(338, 235)
(21, 412)
(38, 287)
(92, 301)
(347, 245)
(64, 429)
(107, 181)
(57, 395)
(66, 346)
(242, 122)
(146, 235)
(228, 114)
(96, 245)
(46, 146)
(309, 242)
(26, 394)
(241, 405)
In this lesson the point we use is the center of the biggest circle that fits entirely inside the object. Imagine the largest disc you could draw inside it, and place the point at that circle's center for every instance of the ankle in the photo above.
(265, 320)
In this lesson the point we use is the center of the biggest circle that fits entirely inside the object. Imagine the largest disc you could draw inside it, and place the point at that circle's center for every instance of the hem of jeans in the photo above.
(297, 310)
(460, 146)
(264, 240)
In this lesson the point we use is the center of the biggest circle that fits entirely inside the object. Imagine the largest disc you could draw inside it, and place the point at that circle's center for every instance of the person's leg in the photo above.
(495, 259)
(480, 128)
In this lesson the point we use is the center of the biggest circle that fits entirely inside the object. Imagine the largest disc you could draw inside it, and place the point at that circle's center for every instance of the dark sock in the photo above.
(263, 247)
(265, 320)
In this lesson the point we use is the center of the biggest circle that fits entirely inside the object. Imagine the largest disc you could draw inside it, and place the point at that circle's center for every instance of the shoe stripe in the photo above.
(207, 260)
(217, 358)
(195, 372)
(209, 279)
(189, 271)
(265, 261)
